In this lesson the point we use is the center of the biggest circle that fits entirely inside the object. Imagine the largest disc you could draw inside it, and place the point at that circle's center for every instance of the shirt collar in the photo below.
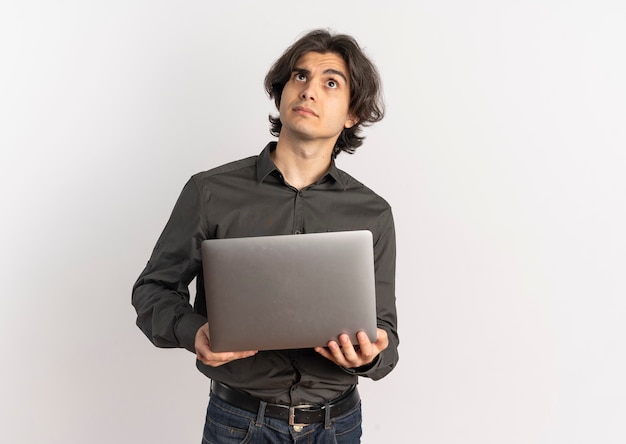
(265, 166)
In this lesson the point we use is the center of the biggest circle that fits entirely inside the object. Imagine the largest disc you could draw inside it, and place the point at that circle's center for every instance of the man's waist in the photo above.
(293, 414)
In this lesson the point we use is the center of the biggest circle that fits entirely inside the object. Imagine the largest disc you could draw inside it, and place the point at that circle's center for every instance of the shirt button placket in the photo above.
(298, 217)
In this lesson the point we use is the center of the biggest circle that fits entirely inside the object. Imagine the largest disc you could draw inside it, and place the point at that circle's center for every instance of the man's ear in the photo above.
(351, 121)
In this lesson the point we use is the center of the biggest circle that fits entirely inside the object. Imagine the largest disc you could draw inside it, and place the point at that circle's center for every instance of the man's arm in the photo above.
(161, 294)
(374, 359)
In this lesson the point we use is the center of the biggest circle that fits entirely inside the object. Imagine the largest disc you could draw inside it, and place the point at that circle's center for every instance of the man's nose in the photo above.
(309, 92)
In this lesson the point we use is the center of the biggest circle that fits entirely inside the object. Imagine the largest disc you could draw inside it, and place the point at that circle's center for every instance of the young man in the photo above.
(325, 90)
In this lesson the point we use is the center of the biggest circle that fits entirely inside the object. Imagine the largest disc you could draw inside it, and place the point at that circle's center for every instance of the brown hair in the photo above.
(366, 102)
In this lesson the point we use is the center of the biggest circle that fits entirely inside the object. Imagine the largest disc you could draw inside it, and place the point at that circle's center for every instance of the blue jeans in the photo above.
(226, 424)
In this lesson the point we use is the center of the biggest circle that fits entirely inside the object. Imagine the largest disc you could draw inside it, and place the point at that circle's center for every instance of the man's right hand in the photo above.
(208, 357)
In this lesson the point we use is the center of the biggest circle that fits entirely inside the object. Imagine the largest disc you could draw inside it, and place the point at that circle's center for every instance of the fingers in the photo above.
(343, 353)
(351, 357)
(382, 339)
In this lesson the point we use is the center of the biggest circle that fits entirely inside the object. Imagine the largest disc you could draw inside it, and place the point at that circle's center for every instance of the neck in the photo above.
(302, 164)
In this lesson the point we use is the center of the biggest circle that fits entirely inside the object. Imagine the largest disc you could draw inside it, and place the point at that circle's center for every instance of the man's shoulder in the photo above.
(244, 165)
(355, 186)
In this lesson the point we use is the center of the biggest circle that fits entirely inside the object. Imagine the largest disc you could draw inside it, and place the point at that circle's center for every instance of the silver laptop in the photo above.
(289, 291)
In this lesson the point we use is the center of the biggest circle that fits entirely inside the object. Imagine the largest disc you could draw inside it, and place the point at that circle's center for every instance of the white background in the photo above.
(502, 154)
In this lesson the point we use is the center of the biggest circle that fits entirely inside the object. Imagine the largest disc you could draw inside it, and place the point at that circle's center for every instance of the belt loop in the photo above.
(260, 416)
(327, 422)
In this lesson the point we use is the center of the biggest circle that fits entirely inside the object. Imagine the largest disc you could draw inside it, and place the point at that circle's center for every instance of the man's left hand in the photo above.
(346, 355)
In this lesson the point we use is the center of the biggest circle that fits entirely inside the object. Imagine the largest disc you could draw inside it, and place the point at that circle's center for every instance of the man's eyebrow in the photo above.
(337, 73)
(301, 70)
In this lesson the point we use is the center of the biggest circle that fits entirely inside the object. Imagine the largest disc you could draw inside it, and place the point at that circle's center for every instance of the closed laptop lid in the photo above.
(289, 291)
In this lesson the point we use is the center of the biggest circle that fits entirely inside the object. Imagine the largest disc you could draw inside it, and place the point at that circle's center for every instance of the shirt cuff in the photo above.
(364, 369)
(187, 328)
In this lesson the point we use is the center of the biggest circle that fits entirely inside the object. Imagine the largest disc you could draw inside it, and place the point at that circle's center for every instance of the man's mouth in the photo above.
(304, 110)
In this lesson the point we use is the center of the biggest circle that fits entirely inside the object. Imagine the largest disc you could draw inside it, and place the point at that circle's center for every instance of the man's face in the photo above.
(315, 101)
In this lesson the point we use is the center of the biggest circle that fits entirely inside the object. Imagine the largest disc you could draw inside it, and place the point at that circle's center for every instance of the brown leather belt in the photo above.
(294, 415)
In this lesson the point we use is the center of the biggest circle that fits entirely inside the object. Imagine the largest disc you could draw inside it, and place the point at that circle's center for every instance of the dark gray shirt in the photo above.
(249, 197)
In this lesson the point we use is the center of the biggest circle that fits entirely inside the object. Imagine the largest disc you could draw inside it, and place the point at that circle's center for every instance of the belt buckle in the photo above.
(292, 417)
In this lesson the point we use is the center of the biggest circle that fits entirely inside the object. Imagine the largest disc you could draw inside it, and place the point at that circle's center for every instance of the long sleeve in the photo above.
(161, 295)
(385, 268)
